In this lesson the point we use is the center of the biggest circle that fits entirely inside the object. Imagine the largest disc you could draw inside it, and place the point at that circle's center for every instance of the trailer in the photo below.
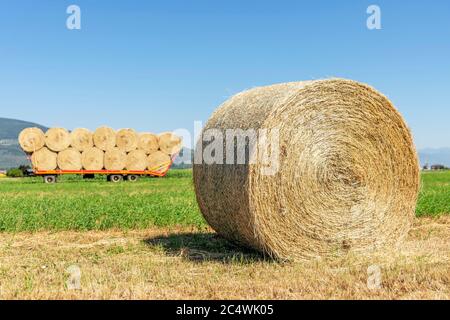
(115, 176)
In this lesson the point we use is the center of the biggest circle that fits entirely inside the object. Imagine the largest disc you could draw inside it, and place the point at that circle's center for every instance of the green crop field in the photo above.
(75, 204)
(434, 197)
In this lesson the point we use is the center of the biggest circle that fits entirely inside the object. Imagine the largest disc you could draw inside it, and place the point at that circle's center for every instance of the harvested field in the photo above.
(185, 263)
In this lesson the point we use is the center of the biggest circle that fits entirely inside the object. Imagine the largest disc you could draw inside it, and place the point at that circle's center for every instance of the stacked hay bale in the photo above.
(103, 149)
(341, 174)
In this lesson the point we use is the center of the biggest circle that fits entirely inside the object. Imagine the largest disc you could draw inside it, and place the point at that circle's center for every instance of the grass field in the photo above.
(147, 240)
(74, 204)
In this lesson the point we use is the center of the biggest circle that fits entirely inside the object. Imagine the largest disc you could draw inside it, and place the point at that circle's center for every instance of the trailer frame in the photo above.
(50, 176)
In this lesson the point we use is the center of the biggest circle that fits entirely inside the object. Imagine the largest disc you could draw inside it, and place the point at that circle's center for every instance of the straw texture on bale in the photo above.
(31, 139)
(127, 140)
(57, 139)
(44, 159)
(93, 159)
(347, 179)
(169, 143)
(115, 159)
(69, 159)
(136, 160)
(157, 159)
(104, 138)
(81, 139)
(148, 142)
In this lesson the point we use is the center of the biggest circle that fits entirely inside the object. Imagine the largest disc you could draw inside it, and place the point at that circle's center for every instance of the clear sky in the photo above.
(160, 65)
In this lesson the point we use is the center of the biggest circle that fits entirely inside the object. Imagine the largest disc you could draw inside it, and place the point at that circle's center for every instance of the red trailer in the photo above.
(112, 175)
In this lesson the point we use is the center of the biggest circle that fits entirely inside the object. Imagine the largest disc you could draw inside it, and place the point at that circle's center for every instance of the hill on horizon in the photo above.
(11, 155)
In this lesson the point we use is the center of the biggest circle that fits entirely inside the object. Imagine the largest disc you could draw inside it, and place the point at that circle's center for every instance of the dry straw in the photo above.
(44, 159)
(157, 159)
(127, 140)
(169, 143)
(31, 139)
(81, 139)
(93, 159)
(69, 159)
(57, 139)
(105, 138)
(348, 174)
(115, 159)
(148, 142)
(136, 160)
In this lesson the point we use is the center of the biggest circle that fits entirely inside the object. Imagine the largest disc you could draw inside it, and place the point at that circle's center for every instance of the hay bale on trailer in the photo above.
(148, 142)
(92, 159)
(169, 143)
(127, 140)
(344, 172)
(69, 159)
(157, 159)
(104, 138)
(57, 139)
(136, 160)
(44, 159)
(31, 139)
(81, 139)
(115, 159)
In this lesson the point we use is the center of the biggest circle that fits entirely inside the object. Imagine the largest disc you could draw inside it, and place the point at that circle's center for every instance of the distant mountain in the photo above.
(11, 155)
(435, 156)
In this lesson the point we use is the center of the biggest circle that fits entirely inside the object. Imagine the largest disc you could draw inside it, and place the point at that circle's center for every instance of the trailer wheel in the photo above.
(132, 177)
(115, 178)
(50, 179)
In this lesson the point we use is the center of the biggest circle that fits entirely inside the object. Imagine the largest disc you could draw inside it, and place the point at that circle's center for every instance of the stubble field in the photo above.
(148, 240)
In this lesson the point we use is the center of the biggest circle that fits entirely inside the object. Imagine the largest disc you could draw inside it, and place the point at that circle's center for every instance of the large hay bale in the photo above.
(127, 140)
(105, 138)
(92, 159)
(81, 139)
(57, 139)
(347, 179)
(115, 159)
(44, 159)
(31, 139)
(148, 142)
(157, 160)
(69, 159)
(136, 160)
(169, 143)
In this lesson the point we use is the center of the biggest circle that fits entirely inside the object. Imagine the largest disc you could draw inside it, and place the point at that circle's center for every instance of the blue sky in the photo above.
(160, 65)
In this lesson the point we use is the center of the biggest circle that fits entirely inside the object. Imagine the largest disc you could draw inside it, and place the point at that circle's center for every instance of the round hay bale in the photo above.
(169, 143)
(127, 140)
(342, 177)
(136, 160)
(31, 139)
(104, 138)
(115, 159)
(44, 160)
(69, 159)
(148, 142)
(81, 139)
(57, 139)
(156, 160)
(92, 159)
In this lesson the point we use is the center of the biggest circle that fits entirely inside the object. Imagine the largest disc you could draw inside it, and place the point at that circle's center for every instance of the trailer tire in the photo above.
(50, 179)
(133, 177)
(115, 178)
